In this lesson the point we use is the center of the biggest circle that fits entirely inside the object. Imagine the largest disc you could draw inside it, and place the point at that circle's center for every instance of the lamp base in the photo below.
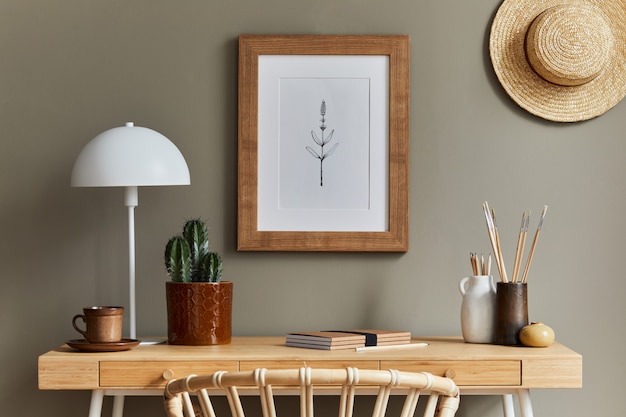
(152, 340)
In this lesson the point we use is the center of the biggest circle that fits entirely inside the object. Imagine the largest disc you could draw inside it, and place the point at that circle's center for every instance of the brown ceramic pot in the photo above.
(199, 313)
(511, 312)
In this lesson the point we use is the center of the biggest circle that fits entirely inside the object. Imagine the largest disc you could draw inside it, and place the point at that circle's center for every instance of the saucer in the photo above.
(85, 346)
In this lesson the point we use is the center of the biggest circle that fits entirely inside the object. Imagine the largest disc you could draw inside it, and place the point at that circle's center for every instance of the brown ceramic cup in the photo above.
(511, 312)
(104, 324)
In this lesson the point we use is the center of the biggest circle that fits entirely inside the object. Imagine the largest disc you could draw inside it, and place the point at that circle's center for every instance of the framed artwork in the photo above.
(323, 146)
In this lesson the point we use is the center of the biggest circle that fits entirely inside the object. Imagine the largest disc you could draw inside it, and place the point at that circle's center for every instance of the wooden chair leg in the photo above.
(173, 406)
(448, 406)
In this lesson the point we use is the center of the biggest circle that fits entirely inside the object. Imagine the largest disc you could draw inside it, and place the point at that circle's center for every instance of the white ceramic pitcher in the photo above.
(478, 308)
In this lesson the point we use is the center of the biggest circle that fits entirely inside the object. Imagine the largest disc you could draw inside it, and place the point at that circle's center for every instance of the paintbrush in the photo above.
(521, 242)
(495, 241)
(534, 244)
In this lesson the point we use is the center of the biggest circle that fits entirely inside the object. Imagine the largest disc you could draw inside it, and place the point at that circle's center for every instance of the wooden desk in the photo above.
(477, 369)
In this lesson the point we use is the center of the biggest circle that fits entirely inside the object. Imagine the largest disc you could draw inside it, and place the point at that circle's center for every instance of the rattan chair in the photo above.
(442, 393)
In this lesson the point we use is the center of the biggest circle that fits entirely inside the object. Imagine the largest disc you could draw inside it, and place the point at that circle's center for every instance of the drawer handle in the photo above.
(450, 373)
(168, 374)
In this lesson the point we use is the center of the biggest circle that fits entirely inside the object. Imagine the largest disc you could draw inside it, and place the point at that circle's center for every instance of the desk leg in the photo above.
(507, 405)
(95, 407)
(525, 406)
(118, 406)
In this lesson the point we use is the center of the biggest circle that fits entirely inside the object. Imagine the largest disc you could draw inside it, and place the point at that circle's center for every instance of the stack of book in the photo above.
(325, 340)
(374, 337)
(347, 339)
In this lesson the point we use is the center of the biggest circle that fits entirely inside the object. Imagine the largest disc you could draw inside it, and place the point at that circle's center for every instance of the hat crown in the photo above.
(569, 44)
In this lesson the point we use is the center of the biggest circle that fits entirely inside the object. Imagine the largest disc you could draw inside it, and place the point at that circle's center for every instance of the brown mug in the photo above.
(104, 324)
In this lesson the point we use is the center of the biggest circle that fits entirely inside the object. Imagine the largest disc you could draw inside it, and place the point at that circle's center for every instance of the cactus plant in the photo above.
(187, 256)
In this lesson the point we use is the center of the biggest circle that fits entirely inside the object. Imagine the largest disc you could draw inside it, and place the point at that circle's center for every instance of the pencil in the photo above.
(483, 267)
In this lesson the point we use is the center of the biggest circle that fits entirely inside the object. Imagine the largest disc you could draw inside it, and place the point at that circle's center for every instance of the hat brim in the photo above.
(538, 96)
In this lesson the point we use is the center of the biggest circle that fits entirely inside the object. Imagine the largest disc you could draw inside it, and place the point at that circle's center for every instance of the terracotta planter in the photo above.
(199, 313)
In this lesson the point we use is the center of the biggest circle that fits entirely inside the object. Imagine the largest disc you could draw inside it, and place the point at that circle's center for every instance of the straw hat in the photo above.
(562, 60)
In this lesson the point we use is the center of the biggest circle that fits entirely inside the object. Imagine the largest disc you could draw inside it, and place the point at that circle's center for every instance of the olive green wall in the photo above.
(74, 68)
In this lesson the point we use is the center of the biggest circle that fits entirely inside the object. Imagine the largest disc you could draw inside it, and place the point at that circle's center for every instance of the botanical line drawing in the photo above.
(321, 142)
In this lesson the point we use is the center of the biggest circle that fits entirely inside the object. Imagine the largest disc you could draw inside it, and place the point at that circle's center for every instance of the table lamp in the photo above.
(129, 157)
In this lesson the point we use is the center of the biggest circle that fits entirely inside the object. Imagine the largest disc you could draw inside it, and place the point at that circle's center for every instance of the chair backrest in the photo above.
(442, 393)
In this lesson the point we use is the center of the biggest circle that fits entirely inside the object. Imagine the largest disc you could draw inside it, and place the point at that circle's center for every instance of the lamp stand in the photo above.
(131, 200)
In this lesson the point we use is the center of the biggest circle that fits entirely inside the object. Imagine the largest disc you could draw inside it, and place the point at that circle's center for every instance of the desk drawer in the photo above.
(283, 364)
(466, 373)
(155, 374)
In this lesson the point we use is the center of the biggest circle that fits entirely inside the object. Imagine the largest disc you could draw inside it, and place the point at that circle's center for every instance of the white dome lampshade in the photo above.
(130, 157)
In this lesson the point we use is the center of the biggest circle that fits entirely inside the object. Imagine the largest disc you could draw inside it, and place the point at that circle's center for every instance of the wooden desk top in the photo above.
(471, 365)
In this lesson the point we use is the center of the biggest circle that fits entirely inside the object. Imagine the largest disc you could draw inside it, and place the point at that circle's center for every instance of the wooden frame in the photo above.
(396, 237)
